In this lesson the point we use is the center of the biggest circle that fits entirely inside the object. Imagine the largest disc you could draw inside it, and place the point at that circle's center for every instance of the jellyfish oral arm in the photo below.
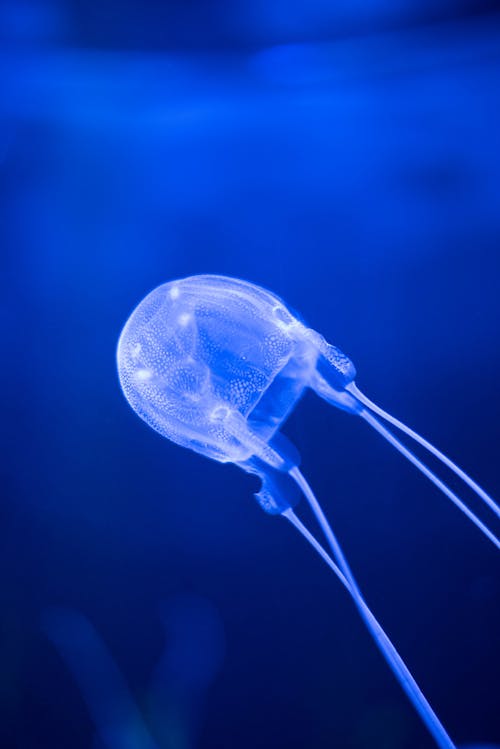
(489, 501)
(344, 574)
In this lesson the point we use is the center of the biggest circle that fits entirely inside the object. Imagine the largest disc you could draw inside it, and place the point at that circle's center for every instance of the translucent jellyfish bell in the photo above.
(217, 364)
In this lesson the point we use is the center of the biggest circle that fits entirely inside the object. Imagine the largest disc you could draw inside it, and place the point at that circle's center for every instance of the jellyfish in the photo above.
(217, 364)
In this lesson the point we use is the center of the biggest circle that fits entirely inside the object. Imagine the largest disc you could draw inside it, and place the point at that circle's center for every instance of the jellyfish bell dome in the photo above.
(216, 364)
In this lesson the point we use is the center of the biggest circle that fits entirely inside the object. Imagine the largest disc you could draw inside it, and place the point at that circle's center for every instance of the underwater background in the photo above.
(345, 155)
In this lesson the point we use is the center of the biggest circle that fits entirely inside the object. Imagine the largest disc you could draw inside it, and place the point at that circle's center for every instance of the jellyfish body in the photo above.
(217, 364)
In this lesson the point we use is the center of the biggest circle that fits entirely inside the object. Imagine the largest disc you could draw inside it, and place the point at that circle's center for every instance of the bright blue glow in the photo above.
(216, 364)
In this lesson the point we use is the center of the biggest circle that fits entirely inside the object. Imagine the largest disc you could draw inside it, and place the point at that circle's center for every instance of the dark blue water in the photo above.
(349, 161)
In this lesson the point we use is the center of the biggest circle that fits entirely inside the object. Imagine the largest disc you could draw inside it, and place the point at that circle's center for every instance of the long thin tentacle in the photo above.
(383, 642)
(428, 446)
(381, 429)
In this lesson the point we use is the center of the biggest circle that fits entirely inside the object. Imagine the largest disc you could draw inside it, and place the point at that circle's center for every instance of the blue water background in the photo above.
(347, 158)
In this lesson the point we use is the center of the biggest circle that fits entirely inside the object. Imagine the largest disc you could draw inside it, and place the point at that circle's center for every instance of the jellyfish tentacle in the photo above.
(388, 650)
(386, 434)
(427, 445)
(343, 572)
